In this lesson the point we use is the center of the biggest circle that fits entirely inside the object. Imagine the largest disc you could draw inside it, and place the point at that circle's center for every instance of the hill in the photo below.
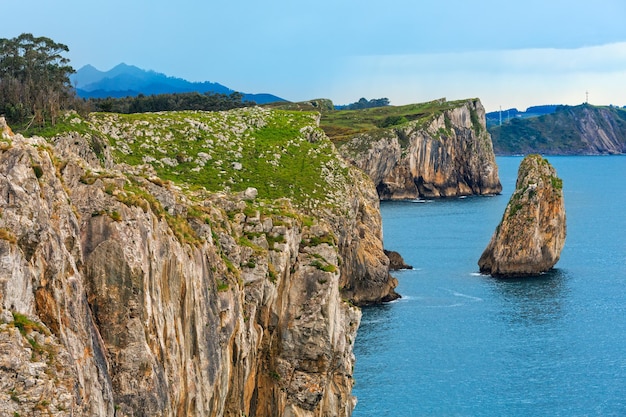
(127, 80)
(495, 118)
(570, 130)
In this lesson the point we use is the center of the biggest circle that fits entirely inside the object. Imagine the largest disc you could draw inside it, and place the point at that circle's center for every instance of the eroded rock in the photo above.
(396, 261)
(451, 155)
(155, 304)
(531, 235)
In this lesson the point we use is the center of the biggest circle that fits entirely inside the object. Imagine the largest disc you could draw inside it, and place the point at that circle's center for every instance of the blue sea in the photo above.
(462, 344)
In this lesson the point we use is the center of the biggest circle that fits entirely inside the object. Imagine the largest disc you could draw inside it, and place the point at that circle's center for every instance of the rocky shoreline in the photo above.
(133, 293)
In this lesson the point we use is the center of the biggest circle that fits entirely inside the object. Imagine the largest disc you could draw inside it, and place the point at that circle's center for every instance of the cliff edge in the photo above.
(183, 263)
(531, 235)
(435, 149)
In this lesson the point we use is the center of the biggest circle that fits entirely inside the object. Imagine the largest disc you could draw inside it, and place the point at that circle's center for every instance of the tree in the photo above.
(34, 79)
(363, 103)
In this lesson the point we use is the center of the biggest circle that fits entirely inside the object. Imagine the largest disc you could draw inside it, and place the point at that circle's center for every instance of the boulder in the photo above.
(396, 262)
(531, 234)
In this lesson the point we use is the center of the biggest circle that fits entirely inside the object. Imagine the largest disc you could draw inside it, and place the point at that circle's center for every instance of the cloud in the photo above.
(519, 77)
(604, 58)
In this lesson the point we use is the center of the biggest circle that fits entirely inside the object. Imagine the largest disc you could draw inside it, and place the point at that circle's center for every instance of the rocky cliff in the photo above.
(570, 130)
(440, 149)
(531, 235)
(142, 274)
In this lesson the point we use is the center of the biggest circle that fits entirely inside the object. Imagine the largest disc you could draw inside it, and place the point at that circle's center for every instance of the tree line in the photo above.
(35, 88)
(364, 103)
(34, 80)
(169, 102)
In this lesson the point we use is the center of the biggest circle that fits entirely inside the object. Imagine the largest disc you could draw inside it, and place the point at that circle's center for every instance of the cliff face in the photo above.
(125, 294)
(449, 154)
(531, 235)
(570, 130)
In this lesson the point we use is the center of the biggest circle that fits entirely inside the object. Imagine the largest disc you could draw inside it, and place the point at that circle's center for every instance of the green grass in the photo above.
(329, 239)
(557, 183)
(26, 325)
(229, 151)
(342, 125)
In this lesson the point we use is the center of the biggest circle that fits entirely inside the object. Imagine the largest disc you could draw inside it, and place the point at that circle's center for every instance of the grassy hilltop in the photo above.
(281, 153)
(342, 125)
(277, 149)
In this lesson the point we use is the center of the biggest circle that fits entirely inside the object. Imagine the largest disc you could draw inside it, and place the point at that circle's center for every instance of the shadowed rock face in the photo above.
(144, 302)
(531, 235)
(396, 262)
(451, 155)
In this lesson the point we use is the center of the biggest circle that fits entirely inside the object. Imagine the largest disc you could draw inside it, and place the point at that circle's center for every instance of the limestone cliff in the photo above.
(570, 130)
(531, 235)
(442, 150)
(128, 288)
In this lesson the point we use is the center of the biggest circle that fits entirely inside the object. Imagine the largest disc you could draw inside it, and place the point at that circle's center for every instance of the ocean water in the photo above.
(462, 344)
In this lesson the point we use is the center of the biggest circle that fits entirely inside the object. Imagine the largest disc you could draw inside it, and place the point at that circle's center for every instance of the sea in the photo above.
(459, 343)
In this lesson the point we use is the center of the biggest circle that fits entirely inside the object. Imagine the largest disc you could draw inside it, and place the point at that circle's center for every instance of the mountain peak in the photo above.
(128, 80)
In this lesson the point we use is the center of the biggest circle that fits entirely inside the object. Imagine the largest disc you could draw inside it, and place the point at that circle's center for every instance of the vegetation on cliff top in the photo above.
(562, 132)
(34, 80)
(280, 153)
(343, 125)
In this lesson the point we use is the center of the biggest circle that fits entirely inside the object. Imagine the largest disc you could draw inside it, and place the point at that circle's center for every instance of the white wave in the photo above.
(446, 305)
(470, 297)
(460, 294)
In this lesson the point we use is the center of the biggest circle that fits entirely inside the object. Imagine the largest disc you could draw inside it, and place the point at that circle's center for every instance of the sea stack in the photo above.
(531, 234)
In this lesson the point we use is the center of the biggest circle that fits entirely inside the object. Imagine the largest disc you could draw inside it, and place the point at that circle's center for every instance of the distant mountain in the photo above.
(496, 117)
(569, 130)
(127, 80)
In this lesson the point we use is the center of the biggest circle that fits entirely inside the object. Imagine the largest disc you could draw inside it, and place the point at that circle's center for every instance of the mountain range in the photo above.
(128, 80)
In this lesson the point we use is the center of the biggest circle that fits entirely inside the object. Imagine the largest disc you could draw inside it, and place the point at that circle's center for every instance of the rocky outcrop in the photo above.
(570, 130)
(122, 293)
(531, 235)
(396, 261)
(449, 154)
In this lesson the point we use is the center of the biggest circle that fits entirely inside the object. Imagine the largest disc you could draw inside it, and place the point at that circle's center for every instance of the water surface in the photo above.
(462, 344)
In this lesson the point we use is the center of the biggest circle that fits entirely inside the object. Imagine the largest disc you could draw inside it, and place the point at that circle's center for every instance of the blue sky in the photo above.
(507, 53)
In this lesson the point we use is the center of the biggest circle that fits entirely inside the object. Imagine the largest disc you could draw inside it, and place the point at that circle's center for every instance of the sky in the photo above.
(507, 53)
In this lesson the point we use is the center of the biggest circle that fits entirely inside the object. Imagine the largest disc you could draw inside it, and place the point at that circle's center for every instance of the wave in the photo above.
(470, 297)
(460, 294)
(447, 305)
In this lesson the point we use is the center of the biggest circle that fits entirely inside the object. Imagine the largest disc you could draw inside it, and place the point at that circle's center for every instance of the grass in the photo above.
(8, 235)
(342, 125)
(281, 153)
(328, 239)
(26, 325)
(557, 183)
(326, 267)
(222, 286)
